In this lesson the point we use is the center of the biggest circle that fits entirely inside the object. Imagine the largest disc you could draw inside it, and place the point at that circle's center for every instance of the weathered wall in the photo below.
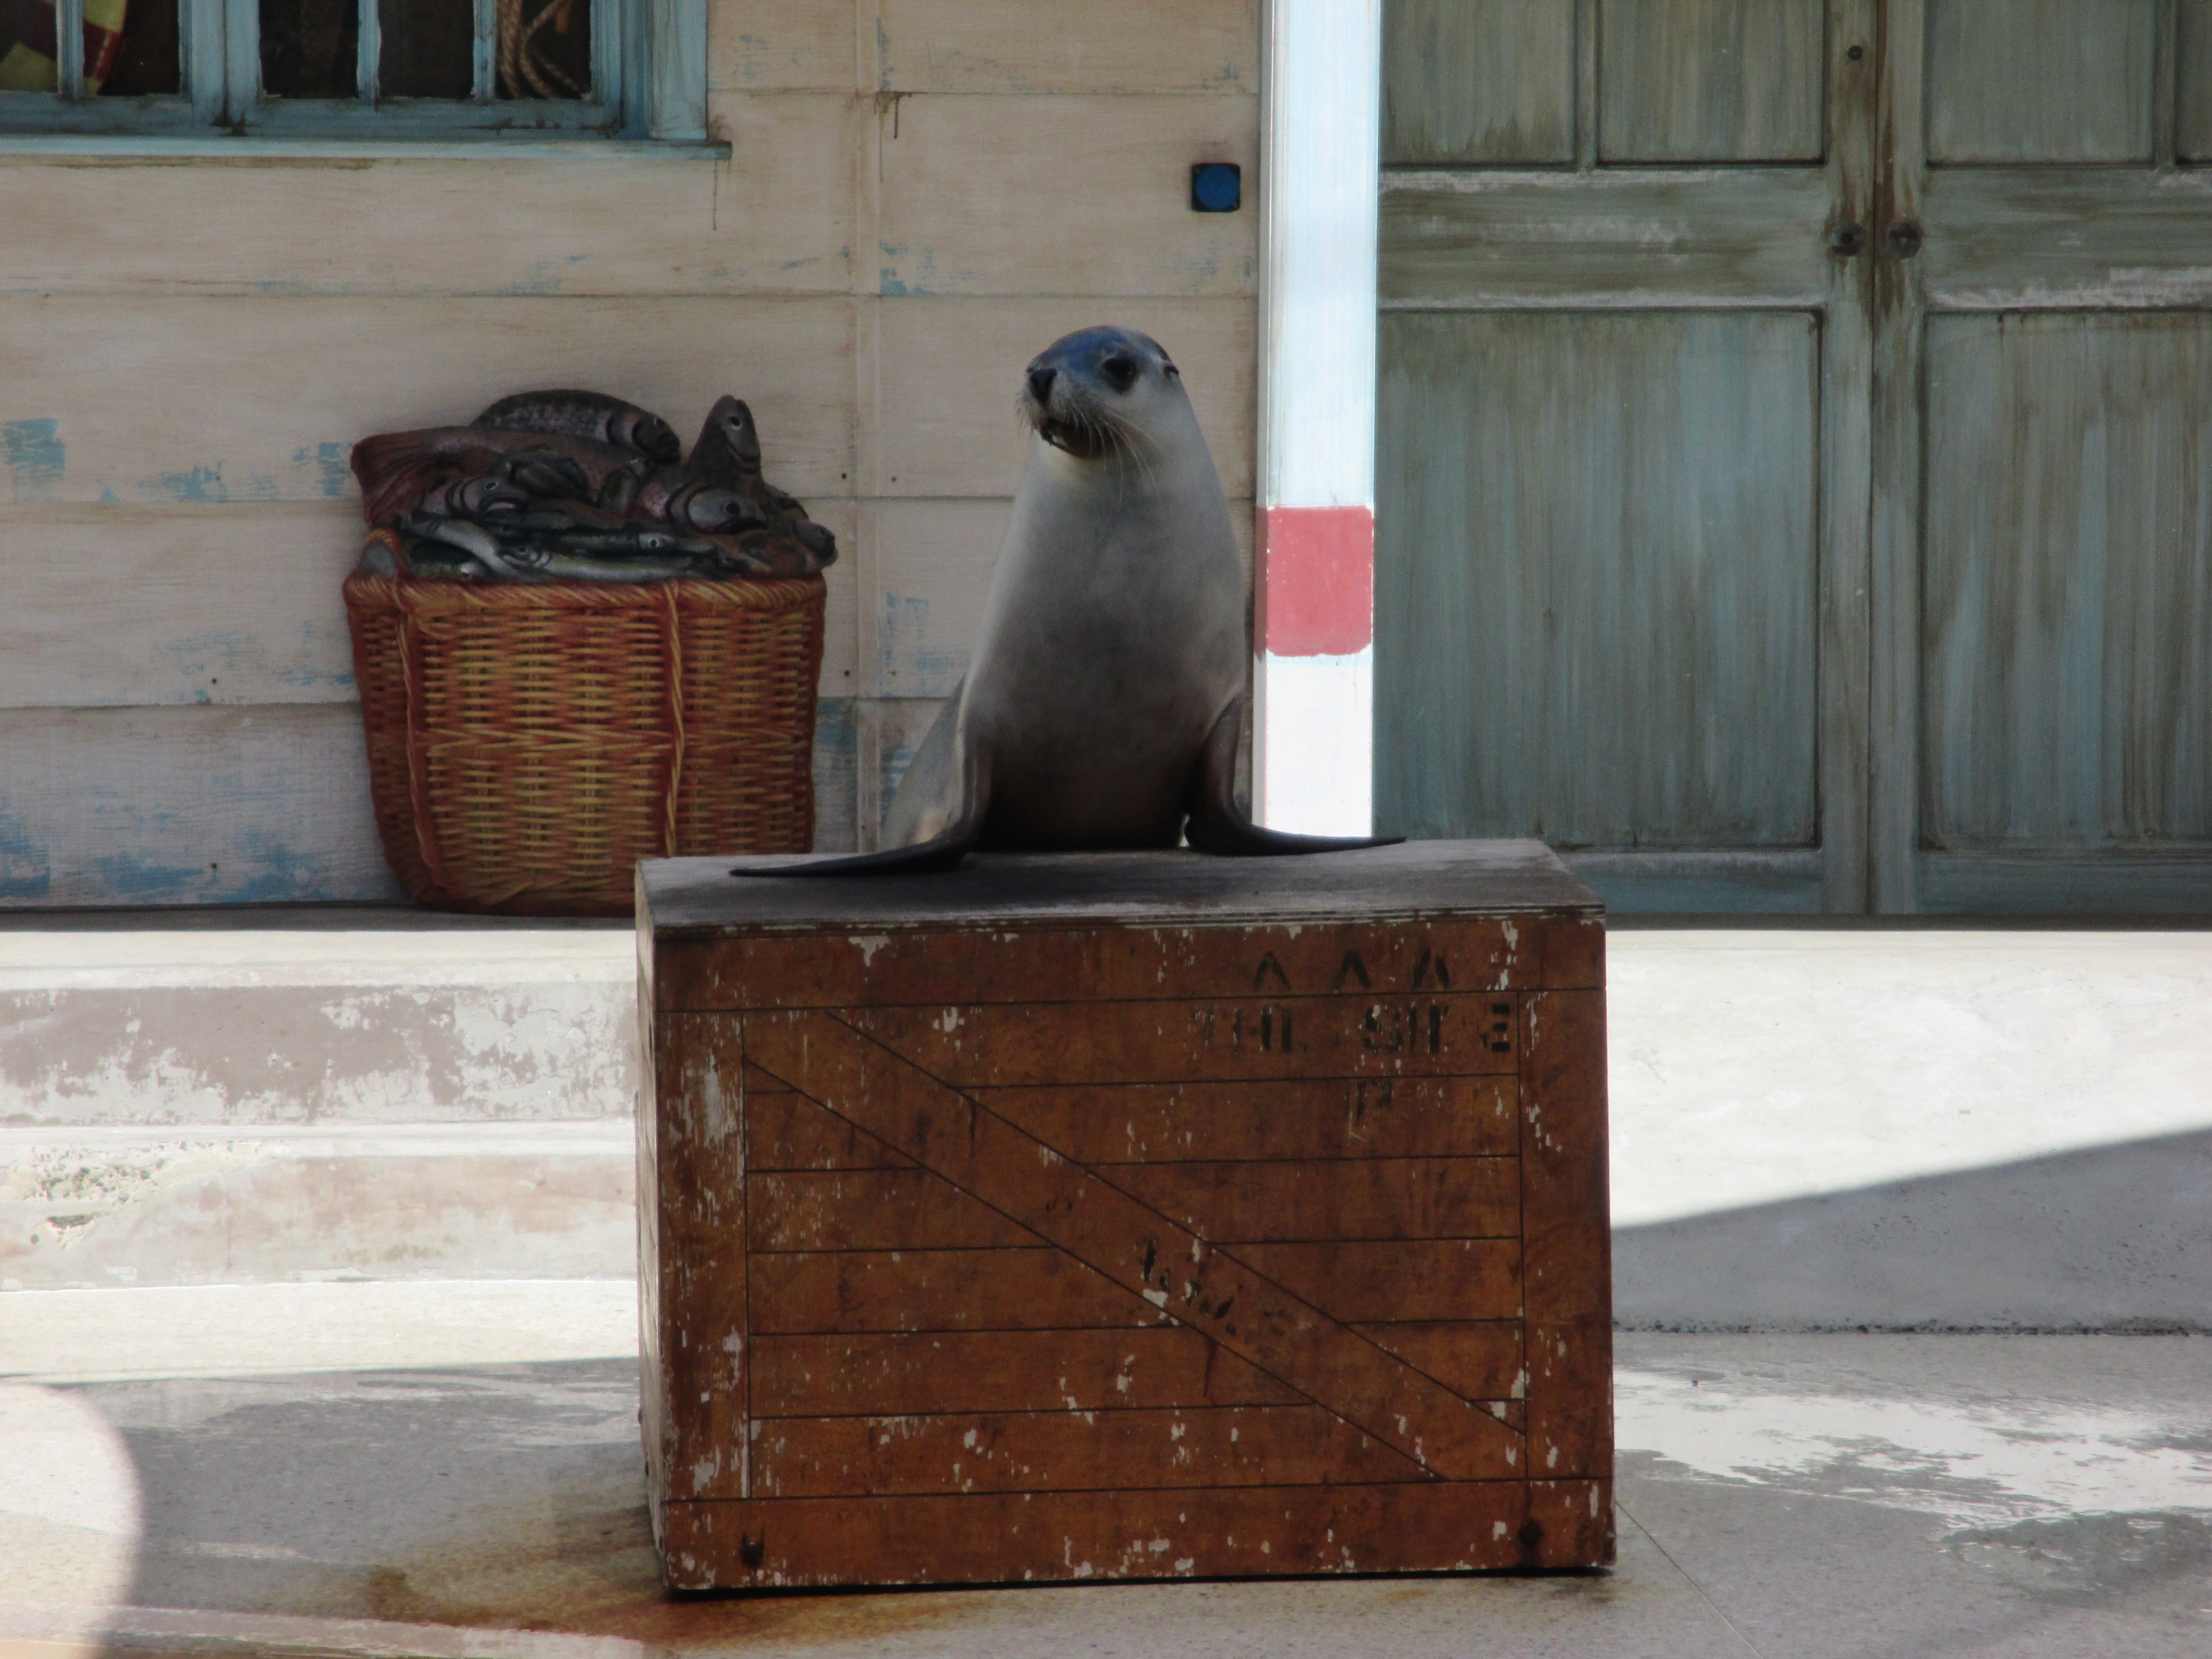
(921, 193)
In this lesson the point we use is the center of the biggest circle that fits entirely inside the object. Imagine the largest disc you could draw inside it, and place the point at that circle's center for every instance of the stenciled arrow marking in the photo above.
(1108, 1229)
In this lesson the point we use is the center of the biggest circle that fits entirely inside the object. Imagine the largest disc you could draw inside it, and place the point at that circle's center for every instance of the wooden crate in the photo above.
(1134, 1215)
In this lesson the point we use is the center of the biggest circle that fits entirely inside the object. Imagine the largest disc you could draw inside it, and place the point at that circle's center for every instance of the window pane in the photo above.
(430, 48)
(130, 45)
(544, 48)
(307, 48)
(146, 58)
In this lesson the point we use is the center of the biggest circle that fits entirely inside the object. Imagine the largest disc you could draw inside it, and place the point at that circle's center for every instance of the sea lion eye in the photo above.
(1121, 371)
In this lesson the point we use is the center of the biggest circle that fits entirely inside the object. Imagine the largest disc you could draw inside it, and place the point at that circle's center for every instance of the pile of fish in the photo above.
(578, 486)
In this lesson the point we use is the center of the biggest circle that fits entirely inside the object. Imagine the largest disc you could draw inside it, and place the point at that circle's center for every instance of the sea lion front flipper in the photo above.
(939, 853)
(1217, 824)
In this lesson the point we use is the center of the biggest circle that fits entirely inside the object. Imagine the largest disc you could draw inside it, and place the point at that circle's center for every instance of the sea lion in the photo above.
(1104, 702)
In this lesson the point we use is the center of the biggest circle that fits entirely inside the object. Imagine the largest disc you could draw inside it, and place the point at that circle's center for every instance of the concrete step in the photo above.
(1813, 1127)
(314, 1094)
(348, 1017)
(220, 1204)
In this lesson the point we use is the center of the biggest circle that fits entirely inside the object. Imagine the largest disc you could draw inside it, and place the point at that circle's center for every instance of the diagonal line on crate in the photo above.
(880, 1092)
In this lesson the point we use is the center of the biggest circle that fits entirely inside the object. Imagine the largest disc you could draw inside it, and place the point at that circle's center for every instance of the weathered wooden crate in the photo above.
(1134, 1215)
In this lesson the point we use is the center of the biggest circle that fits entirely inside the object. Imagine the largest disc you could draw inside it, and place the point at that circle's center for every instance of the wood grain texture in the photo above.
(1570, 1388)
(786, 1130)
(2068, 587)
(1125, 46)
(778, 216)
(1476, 1359)
(1474, 82)
(1412, 1526)
(1564, 1186)
(2014, 80)
(1420, 1281)
(1066, 1451)
(1572, 1523)
(948, 368)
(765, 45)
(306, 377)
(144, 606)
(2047, 238)
(1541, 239)
(1711, 80)
(1371, 1198)
(874, 961)
(1142, 1252)
(950, 163)
(187, 805)
(2193, 81)
(1068, 1370)
(874, 1210)
(1001, 1045)
(1166, 1123)
(700, 1193)
(1597, 577)
(882, 1290)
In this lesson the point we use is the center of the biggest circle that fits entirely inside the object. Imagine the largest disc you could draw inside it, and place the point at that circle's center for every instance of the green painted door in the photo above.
(1791, 421)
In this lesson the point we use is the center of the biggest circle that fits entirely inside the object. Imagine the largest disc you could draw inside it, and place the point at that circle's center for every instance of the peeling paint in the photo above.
(33, 454)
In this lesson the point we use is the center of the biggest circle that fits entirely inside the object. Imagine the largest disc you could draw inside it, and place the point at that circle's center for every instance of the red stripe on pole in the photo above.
(1316, 590)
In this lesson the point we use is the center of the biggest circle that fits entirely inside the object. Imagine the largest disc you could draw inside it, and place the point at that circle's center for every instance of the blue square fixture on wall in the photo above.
(1216, 187)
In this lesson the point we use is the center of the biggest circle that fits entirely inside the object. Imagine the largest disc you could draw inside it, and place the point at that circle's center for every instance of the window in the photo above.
(368, 70)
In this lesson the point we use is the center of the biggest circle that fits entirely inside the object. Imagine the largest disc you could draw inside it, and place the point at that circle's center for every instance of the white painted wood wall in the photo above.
(922, 194)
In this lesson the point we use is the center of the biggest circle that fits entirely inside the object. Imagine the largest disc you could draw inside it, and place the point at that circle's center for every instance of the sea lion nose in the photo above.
(1041, 386)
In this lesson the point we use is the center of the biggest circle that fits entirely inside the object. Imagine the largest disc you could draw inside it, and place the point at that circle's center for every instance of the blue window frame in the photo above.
(369, 70)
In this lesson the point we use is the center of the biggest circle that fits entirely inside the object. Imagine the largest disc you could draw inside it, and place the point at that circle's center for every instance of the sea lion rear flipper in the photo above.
(1217, 824)
(939, 853)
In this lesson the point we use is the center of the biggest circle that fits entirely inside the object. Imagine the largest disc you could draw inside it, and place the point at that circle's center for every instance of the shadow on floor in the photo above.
(2117, 1239)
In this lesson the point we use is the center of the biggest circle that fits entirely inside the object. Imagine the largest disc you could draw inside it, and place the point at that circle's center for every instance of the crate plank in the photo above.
(842, 967)
(1479, 1359)
(1385, 1198)
(786, 1130)
(989, 1044)
(1290, 1118)
(1570, 1397)
(833, 1062)
(1565, 1188)
(936, 1290)
(873, 1210)
(1408, 1527)
(1066, 1451)
(703, 1317)
(909, 1373)
(1428, 1278)
(1571, 1523)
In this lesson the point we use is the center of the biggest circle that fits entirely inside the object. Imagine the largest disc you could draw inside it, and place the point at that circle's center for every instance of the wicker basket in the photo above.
(528, 744)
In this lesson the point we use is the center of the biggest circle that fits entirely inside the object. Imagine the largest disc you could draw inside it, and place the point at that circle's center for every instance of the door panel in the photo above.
(1711, 80)
(1478, 80)
(1621, 486)
(2067, 607)
(2011, 80)
(1605, 550)
(2050, 747)
(2193, 81)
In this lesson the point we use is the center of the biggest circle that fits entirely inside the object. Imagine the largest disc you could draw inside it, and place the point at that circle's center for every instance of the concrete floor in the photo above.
(453, 1469)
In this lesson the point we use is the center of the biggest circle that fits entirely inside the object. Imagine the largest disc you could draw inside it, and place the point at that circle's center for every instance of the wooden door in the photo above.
(1791, 421)
(1622, 469)
(2043, 663)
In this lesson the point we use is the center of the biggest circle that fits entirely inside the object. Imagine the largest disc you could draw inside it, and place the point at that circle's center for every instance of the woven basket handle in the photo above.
(672, 623)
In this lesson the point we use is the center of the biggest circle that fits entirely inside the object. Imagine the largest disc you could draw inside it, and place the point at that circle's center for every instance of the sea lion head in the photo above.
(1100, 391)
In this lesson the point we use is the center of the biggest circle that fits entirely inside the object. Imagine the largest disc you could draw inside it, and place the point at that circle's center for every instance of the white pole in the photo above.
(1313, 753)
